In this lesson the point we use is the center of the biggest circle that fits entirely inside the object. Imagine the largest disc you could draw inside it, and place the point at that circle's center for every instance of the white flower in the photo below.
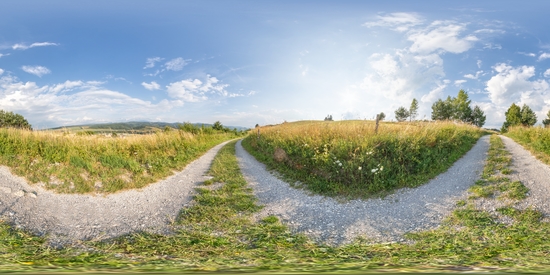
(339, 164)
(373, 170)
(381, 168)
(359, 168)
(369, 153)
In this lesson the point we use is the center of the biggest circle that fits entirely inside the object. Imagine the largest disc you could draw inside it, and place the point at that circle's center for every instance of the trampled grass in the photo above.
(216, 234)
(348, 159)
(71, 163)
(534, 139)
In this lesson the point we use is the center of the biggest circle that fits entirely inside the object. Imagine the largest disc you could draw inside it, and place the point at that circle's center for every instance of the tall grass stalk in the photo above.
(347, 158)
(71, 163)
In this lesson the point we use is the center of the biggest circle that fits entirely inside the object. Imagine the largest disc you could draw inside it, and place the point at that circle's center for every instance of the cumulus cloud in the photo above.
(151, 86)
(460, 82)
(150, 62)
(399, 21)
(175, 64)
(546, 73)
(1, 54)
(74, 102)
(194, 90)
(435, 93)
(441, 36)
(1, 71)
(514, 84)
(37, 44)
(36, 70)
(544, 56)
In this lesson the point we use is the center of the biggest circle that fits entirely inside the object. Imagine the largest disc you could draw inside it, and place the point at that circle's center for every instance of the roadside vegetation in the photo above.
(534, 139)
(348, 159)
(217, 234)
(84, 162)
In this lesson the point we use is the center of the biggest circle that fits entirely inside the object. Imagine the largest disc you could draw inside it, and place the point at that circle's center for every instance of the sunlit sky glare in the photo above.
(249, 62)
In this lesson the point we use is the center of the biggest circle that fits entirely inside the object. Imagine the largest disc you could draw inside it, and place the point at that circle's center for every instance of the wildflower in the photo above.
(381, 168)
(369, 153)
(374, 170)
(360, 168)
(340, 164)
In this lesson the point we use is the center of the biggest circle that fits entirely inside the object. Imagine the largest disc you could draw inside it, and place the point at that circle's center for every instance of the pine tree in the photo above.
(528, 117)
(478, 117)
(413, 110)
(513, 117)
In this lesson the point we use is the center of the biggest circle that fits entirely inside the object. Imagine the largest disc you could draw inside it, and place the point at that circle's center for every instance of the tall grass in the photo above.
(71, 163)
(534, 139)
(347, 158)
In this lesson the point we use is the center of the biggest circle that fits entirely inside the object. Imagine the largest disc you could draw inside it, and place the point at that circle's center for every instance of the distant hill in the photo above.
(139, 126)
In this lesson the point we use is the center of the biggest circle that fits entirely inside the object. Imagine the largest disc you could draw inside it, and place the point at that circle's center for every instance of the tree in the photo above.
(11, 120)
(461, 107)
(413, 110)
(478, 117)
(381, 116)
(546, 121)
(401, 114)
(218, 126)
(513, 117)
(442, 110)
(528, 117)
(328, 118)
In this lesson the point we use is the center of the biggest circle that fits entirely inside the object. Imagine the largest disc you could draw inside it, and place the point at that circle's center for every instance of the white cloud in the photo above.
(1, 54)
(479, 62)
(492, 46)
(195, 90)
(399, 21)
(460, 82)
(36, 70)
(150, 62)
(151, 86)
(547, 73)
(544, 56)
(441, 36)
(489, 31)
(175, 64)
(1, 71)
(513, 84)
(37, 44)
(434, 94)
(471, 76)
(527, 54)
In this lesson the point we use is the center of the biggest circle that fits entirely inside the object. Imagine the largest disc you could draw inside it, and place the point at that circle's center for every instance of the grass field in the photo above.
(82, 162)
(348, 159)
(216, 234)
(534, 139)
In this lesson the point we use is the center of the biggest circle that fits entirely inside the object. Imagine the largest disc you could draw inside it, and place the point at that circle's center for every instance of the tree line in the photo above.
(524, 116)
(453, 108)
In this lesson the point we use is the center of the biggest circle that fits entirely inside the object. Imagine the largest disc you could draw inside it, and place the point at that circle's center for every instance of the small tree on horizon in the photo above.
(12, 120)
(401, 114)
(217, 126)
(478, 117)
(413, 110)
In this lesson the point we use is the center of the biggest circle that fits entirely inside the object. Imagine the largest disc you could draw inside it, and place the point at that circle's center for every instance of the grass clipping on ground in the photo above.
(69, 163)
(353, 159)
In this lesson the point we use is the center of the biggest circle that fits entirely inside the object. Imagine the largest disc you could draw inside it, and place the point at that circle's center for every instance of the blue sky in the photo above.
(248, 62)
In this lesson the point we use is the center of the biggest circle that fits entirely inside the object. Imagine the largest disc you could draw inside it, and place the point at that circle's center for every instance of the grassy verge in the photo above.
(534, 139)
(216, 234)
(69, 163)
(349, 160)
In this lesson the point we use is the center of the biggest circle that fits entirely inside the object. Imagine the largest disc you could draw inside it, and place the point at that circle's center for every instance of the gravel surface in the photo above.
(67, 217)
(534, 174)
(378, 220)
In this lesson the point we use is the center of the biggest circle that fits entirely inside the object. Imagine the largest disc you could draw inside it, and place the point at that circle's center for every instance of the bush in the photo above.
(11, 120)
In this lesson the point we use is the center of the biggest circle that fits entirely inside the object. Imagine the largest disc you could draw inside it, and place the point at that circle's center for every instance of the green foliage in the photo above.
(516, 116)
(347, 159)
(11, 120)
(528, 117)
(401, 114)
(458, 109)
(328, 118)
(535, 139)
(413, 110)
(381, 116)
(442, 110)
(478, 117)
(546, 121)
(218, 126)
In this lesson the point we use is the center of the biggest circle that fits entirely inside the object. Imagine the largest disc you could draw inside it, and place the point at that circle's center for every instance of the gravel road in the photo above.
(379, 220)
(534, 174)
(67, 217)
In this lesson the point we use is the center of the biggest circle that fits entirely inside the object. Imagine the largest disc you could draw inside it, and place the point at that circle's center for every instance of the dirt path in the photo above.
(379, 220)
(533, 173)
(67, 217)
